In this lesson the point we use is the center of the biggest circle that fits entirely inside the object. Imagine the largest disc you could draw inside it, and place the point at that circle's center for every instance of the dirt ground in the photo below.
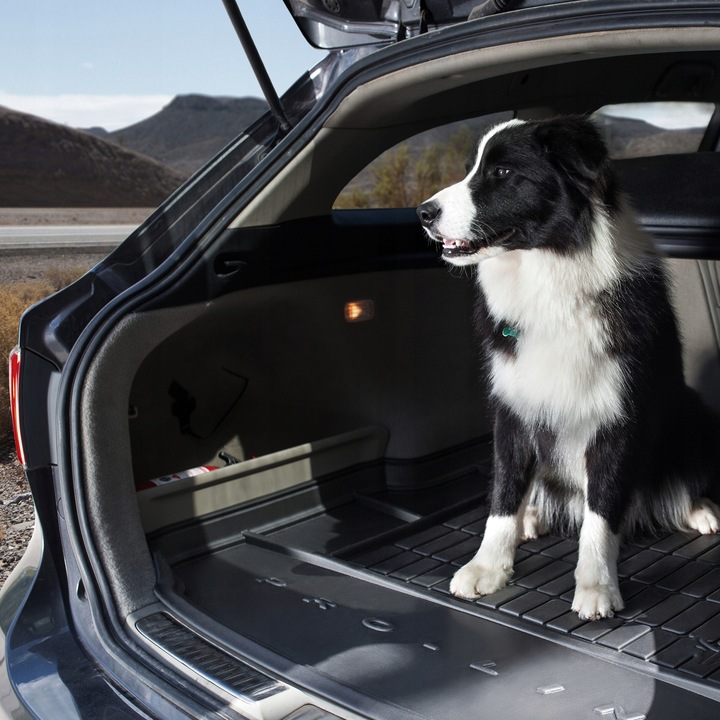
(19, 268)
(73, 216)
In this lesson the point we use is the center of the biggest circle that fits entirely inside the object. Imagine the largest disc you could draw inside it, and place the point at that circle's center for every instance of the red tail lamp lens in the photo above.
(15, 403)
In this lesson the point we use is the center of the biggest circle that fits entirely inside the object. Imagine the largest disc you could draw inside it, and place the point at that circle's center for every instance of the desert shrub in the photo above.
(406, 175)
(60, 277)
(15, 298)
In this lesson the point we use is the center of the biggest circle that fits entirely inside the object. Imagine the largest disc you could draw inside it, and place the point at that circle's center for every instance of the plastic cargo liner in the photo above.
(670, 585)
(322, 588)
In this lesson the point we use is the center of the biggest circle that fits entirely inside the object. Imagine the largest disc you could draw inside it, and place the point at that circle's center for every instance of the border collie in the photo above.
(594, 428)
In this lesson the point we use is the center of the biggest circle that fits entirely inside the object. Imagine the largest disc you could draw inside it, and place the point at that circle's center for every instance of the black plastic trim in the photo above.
(205, 658)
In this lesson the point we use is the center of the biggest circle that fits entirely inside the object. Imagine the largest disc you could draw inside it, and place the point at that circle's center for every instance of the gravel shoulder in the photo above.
(17, 515)
(22, 268)
(73, 216)
(19, 268)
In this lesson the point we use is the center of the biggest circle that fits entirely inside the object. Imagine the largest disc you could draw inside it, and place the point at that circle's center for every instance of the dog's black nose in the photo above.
(428, 212)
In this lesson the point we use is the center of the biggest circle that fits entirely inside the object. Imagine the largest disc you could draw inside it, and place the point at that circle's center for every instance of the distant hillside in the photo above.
(409, 173)
(628, 137)
(43, 164)
(190, 129)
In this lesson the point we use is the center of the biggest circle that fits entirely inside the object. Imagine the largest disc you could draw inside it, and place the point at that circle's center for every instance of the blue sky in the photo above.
(111, 63)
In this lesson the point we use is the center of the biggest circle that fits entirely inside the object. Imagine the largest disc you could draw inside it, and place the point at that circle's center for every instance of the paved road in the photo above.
(61, 238)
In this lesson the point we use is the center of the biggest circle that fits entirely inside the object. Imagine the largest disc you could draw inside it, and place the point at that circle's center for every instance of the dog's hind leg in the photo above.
(533, 523)
(698, 457)
(704, 517)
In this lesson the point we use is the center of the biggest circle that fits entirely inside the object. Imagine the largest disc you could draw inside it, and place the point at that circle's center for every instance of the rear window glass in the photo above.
(655, 128)
(417, 168)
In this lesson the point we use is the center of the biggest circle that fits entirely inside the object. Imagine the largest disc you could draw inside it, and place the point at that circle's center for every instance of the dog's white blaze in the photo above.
(484, 141)
(561, 373)
(458, 209)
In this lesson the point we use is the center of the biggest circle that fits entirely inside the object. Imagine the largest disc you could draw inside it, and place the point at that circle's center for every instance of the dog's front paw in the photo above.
(473, 580)
(596, 602)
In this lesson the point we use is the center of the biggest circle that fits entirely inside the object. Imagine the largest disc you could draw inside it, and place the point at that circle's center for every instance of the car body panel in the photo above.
(245, 222)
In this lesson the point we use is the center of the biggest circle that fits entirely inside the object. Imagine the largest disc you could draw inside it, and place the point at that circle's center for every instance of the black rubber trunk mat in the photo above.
(670, 584)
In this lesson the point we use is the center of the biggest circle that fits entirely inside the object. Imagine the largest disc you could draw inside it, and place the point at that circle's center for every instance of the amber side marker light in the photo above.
(15, 402)
(359, 311)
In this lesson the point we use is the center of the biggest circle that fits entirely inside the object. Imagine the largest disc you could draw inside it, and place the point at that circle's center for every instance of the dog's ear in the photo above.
(575, 147)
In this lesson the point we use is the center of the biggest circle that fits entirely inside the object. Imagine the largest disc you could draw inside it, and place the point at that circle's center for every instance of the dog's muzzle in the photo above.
(429, 213)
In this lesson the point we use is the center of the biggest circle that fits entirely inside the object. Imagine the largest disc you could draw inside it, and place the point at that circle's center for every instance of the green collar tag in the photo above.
(509, 331)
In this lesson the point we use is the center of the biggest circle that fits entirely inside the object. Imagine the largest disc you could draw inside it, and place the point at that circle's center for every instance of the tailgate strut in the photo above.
(257, 65)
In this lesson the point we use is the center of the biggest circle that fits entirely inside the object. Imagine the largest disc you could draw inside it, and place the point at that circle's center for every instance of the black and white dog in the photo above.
(594, 426)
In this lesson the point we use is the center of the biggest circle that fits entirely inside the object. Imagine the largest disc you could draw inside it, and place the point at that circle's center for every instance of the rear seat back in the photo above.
(677, 202)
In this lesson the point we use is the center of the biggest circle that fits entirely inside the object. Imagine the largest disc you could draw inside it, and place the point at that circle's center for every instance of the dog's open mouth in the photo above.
(455, 248)
(452, 248)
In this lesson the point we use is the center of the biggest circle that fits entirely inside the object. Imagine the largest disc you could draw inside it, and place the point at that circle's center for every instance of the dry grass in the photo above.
(15, 298)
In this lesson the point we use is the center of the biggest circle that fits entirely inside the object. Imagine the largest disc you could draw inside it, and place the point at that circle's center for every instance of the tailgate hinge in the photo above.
(411, 19)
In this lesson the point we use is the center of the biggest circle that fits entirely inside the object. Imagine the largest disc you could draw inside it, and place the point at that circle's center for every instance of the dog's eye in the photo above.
(501, 172)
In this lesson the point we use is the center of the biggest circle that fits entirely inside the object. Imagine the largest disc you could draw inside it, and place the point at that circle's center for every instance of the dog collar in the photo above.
(509, 331)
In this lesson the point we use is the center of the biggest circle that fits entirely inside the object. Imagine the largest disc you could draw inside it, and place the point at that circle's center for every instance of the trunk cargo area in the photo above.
(323, 557)
(347, 581)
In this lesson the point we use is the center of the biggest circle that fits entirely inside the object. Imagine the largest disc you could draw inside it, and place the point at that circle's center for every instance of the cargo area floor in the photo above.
(414, 542)
(670, 584)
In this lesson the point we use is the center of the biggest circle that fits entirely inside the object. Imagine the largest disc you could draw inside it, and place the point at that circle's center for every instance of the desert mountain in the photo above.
(44, 164)
(628, 137)
(188, 131)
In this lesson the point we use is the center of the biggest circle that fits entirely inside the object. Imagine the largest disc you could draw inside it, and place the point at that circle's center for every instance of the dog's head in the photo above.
(528, 185)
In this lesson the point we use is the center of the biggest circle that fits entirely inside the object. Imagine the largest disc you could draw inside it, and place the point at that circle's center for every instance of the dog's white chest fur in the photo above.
(560, 374)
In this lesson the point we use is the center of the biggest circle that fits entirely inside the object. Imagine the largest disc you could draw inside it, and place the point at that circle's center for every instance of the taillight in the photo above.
(15, 403)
